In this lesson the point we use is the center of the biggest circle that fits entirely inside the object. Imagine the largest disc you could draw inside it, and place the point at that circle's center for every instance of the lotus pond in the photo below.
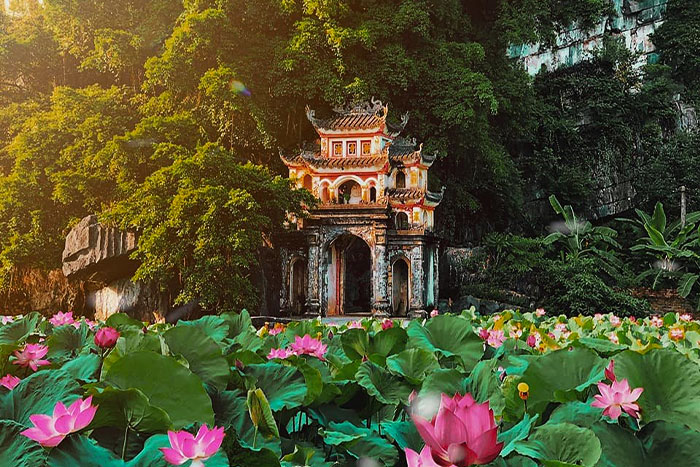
(514, 389)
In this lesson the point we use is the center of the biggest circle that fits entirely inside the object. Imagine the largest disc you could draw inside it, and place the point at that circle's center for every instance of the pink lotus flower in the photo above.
(91, 324)
(560, 327)
(276, 329)
(31, 356)
(308, 346)
(686, 317)
(540, 312)
(615, 321)
(616, 397)
(424, 459)
(484, 333)
(597, 317)
(434, 313)
(184, 446)
(613, 338)
(657, 321)
(462, 433)
(9, 381)
(533, 340)
(632, 319)
(106, 337)
(515, 333)
(387, 324)
(279, 353)
(60, 318)
(610, 371)
(496, 338)
(6, 319)
(49, 430)
(355, 325)
(676, 334)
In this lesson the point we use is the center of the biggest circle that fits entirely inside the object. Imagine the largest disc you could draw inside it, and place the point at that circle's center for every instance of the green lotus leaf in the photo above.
(201, 352)
(555, 373)
(448, 336)
(381, 384)
(167, 385)
(670, 383)
(620, 448)
(556, 443)
(413, 364)
(284, 386)
(15, 449)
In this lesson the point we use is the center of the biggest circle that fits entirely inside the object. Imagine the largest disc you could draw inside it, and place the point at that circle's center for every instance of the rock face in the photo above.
(633, 21)
(97, 253)
(98, 257)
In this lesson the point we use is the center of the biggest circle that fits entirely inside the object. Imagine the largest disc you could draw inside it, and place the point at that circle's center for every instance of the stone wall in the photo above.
(42, 291)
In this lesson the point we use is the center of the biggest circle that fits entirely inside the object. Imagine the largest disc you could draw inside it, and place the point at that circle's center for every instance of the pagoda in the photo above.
(368, 245)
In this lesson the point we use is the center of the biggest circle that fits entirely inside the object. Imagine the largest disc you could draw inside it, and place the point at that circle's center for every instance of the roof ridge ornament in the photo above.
(373, 107)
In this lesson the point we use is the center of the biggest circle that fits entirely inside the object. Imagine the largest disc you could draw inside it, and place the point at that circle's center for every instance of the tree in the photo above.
(201, 222)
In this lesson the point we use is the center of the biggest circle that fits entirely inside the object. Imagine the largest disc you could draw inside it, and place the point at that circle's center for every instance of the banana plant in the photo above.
(674, 248)
(579, 238)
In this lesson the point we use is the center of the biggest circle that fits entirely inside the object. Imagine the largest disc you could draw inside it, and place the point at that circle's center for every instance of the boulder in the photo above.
(98, 254)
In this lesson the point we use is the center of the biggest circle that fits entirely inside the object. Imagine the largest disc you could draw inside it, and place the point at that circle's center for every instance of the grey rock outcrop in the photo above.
(96, 253)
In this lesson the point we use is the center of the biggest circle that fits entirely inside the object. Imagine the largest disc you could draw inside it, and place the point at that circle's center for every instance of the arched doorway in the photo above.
(348, 276)
(372, 194)
(297, 286)
(325, 196)
(400, 293)
(350, 192)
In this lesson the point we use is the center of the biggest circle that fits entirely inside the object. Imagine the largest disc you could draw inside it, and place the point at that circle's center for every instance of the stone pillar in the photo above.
(436, 273)
(417, 308)
(313, 301)
(380, 275)
(284, 292)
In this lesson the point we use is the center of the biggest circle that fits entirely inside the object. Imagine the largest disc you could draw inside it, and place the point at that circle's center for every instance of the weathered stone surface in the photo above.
(137, 299)
(97, 253)
(44, 291)
(633, 21)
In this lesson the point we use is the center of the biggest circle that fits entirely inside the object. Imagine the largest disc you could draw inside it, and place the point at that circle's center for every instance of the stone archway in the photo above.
(348, 282)
(400, 287)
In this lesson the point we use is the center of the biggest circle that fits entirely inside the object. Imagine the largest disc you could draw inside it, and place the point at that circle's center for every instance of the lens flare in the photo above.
(240, 88)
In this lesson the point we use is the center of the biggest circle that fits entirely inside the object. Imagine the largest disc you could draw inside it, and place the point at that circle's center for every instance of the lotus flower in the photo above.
(279, 353)
(615, 321)
(49, 430)
(657, 321)
(355, 325)
(434, 313)
(106, 337)
(184, 446)
(676, 334)
(462, 433)
(308, 346)
(424, 459)
(387, 324)
(6, 319)
(276, 329)
(60, 318)
(610, 371)
(496, 338)
(31, 356)
(9, 381)
(686, 317)
(484, 333)
(533, 340)
(540, 312)
(515, 333)
(613, 338)
(616, 397)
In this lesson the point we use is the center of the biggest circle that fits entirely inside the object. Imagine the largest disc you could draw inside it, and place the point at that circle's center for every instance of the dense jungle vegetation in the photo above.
(168, 116)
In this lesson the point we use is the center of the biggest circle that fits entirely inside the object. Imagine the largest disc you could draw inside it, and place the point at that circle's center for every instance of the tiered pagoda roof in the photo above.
(404, 152)
(365, 117)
